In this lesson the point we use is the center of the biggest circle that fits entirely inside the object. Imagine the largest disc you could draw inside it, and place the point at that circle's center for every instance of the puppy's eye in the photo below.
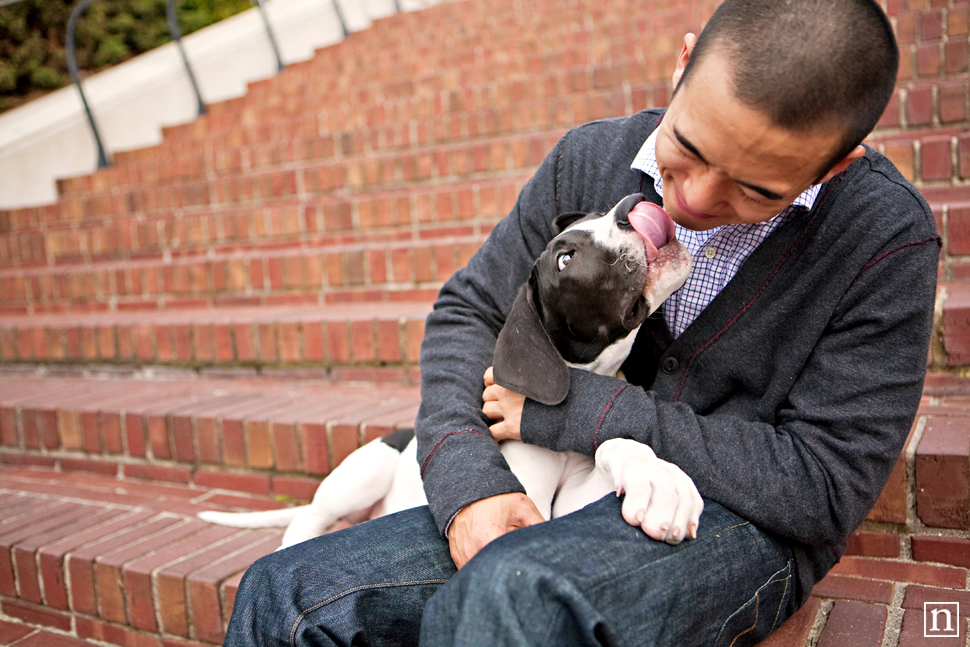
(563, 260)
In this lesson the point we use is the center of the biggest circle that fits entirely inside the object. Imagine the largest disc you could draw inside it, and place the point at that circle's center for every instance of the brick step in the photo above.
(955, 324)
(267, 437)
(951, 207)
(523, 42)
(343, 77)
(318, 204)
(125, 562)
(404, 270)
(90, 557)
(300, 106)
(420, 210)
(320, 163)
(373, 342)
(304, 426)
(464, 116)
(605, 76)
(927, 155)
(169, 189)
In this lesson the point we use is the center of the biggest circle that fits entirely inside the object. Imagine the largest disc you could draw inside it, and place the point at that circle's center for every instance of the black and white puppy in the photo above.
(588, 293)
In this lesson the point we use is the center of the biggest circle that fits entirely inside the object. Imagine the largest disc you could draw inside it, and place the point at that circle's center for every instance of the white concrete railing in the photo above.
(50, 138)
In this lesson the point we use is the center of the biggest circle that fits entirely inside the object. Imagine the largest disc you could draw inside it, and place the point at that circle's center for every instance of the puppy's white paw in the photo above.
(660, 498)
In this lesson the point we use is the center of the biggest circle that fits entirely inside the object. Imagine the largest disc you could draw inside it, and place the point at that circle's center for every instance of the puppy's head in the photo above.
(595, 284)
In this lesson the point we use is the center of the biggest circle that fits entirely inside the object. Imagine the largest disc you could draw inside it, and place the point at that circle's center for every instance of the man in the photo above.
(782, 378)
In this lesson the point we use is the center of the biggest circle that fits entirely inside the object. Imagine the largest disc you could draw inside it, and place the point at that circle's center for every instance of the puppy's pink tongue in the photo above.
(653, 224)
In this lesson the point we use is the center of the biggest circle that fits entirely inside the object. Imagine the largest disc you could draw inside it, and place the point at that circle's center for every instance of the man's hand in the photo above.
(479, 523)
(503, 406)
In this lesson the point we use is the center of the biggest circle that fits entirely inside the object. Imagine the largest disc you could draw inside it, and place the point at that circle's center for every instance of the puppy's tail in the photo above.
(264, 519)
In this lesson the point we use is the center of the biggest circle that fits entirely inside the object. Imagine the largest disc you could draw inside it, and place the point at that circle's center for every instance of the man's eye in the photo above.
(563, 260)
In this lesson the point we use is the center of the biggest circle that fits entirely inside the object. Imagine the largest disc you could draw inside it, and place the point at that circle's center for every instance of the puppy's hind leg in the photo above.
(361, 480)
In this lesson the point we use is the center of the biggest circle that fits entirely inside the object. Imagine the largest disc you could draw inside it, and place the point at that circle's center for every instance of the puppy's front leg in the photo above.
(660, 498)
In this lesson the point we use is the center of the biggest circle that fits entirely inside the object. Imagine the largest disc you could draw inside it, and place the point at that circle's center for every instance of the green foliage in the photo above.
(33, 36)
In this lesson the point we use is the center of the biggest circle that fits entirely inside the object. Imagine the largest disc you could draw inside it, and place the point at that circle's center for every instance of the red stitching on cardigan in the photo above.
(451, 433)
(893, 251)
(680, 387)
(603, 415)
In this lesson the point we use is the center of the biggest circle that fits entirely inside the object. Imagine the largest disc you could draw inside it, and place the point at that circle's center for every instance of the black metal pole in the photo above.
(103, 161)
(173, 28)
(340, 17)
(272, 38)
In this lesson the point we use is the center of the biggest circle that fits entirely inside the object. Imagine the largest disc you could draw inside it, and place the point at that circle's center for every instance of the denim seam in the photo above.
(363, 587)
(737, 525)
(783, 596)
(756, 599)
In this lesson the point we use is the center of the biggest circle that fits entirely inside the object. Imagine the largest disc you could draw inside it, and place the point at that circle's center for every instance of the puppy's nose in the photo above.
(621, 212)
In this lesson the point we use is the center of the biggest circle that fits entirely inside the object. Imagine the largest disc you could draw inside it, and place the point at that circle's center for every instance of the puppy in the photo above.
(588, 293)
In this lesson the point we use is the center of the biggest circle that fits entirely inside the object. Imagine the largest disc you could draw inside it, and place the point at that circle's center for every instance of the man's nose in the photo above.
(704, 191)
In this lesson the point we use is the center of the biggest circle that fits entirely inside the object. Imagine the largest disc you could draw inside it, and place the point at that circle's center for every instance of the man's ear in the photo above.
(689, 41)
(854, 154)
(525, 359)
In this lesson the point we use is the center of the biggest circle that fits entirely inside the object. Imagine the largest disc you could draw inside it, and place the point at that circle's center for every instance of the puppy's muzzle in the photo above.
(650, 221)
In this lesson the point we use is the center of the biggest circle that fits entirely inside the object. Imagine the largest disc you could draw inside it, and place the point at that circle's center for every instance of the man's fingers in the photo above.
(489, 380)
(492, 410)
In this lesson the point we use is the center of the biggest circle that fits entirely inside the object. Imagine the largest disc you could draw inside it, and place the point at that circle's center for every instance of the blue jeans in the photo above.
(584, 579)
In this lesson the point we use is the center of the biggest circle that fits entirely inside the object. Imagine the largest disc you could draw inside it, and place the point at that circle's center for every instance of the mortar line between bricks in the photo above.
(65, 558)
(189, 612)
(912, 518)
(894, 616)
(45, 628)
(821, 618)
(56, 498)
(18, 621)
(153, 580)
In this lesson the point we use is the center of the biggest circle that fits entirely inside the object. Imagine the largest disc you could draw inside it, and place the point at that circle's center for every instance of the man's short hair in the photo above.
(807, 64)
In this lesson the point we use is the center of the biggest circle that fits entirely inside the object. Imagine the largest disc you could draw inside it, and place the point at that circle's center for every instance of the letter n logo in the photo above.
(941, 620)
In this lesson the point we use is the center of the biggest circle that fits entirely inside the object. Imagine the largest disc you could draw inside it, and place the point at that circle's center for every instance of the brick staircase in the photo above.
(216, 322)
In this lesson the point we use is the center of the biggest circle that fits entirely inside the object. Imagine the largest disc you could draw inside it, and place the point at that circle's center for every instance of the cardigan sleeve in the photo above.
(814, 472)
(460, 461)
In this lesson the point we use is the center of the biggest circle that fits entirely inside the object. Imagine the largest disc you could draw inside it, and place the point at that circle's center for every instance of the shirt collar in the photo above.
(646, 161)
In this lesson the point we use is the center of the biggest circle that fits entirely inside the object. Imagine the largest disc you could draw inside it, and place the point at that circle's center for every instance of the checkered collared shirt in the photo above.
(717, 253)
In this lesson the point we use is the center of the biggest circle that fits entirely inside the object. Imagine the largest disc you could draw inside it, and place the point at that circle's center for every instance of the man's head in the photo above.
(771, 91)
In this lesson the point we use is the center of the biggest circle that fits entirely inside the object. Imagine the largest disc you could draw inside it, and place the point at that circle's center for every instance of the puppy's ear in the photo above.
(564, 220)
(525, 360)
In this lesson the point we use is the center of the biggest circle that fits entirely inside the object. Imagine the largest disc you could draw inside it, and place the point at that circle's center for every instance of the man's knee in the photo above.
(260, 573)
(256, 611)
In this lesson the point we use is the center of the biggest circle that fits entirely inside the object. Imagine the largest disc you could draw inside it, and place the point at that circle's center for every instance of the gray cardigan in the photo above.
(787, 400)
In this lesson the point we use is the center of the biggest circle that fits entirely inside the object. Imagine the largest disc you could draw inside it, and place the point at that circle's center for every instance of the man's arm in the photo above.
(813, 474)
(460, 462)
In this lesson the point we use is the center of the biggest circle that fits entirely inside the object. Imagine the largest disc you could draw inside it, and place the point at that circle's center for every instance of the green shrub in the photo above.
(46, 77)
(33, 36)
